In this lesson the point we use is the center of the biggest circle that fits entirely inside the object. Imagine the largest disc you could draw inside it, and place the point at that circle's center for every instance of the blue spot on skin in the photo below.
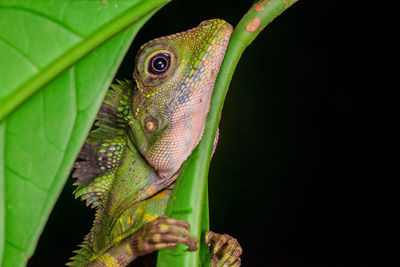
(183, 98)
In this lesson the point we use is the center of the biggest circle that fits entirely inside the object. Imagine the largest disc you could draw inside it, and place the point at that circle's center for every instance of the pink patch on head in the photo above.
(253, 25)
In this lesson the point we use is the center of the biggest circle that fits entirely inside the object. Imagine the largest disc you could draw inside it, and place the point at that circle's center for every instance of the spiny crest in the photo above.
(100, 151)
(81, 255)
(105, 145)
(101, 154)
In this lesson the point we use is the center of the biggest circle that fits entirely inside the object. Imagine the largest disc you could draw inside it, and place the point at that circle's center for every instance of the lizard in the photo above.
(144, 131)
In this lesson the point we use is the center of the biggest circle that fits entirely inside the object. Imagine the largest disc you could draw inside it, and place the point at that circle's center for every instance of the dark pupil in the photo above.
(159, 63)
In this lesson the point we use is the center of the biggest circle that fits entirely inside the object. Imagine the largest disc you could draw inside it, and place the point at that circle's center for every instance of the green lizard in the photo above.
(144, 133)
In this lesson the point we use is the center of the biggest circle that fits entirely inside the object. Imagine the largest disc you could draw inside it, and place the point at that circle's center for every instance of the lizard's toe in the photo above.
(162, 233)
(225, 249)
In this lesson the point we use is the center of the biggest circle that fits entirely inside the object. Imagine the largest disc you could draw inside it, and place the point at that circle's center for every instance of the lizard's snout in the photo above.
(219, 24)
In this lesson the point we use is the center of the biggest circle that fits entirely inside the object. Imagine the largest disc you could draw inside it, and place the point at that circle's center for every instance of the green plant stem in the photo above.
(190, 192)
(2, 191)
(33, 85)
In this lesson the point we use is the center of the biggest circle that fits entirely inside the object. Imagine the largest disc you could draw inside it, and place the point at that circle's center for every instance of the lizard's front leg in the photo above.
(225, 249)
(161, 233)
(164, 232)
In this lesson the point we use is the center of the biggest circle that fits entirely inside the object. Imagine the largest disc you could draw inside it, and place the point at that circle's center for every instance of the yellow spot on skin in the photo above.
(164, 228)
(253, 25)
(128, 220)
(122, 226)
(108, 260)
(159, 196)
(118, 238)
(149, 217)
(150, 191)
(139, 210)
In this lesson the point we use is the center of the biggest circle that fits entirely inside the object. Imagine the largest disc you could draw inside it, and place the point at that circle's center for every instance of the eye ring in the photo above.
(150, 124)
(159, 63)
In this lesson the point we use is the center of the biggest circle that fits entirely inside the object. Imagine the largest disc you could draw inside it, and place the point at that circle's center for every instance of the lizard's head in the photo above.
(175, 77)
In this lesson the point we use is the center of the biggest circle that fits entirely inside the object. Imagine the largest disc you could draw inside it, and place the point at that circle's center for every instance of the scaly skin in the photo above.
(144, 134)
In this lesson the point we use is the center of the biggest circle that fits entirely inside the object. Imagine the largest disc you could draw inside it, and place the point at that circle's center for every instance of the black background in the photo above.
(306, 162)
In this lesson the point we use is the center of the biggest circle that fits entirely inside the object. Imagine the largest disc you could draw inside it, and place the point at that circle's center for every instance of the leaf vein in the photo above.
(26, 179)
(44, 16)
(19, 52)
(8, 242)
(42, 123)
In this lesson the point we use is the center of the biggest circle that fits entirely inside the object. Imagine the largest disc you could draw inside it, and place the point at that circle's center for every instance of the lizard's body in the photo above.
(144, 134)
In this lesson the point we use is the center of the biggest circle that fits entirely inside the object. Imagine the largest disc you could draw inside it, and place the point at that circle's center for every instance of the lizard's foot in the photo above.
(162, 233)
(225, 250)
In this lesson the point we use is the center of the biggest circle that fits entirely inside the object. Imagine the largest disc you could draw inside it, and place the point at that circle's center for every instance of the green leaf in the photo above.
(60, 59)
(190, 192)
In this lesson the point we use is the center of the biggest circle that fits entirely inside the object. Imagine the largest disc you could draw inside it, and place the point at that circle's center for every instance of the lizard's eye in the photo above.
(159, 63)
(155, 64)
(150, 124)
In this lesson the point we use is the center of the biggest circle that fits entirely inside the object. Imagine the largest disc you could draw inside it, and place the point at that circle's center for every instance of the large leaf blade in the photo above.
(80, 41)
(39, 141)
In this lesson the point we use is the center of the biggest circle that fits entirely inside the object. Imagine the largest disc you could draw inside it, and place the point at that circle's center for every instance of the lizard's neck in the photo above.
(135, 192)
(132, 180)
(135, 181)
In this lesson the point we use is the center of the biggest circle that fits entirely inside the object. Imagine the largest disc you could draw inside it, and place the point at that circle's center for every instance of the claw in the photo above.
(225, 250)
(162, 233)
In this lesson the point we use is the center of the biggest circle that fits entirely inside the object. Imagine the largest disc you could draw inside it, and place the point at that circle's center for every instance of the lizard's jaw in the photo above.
(181, 101)
(189, 118)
